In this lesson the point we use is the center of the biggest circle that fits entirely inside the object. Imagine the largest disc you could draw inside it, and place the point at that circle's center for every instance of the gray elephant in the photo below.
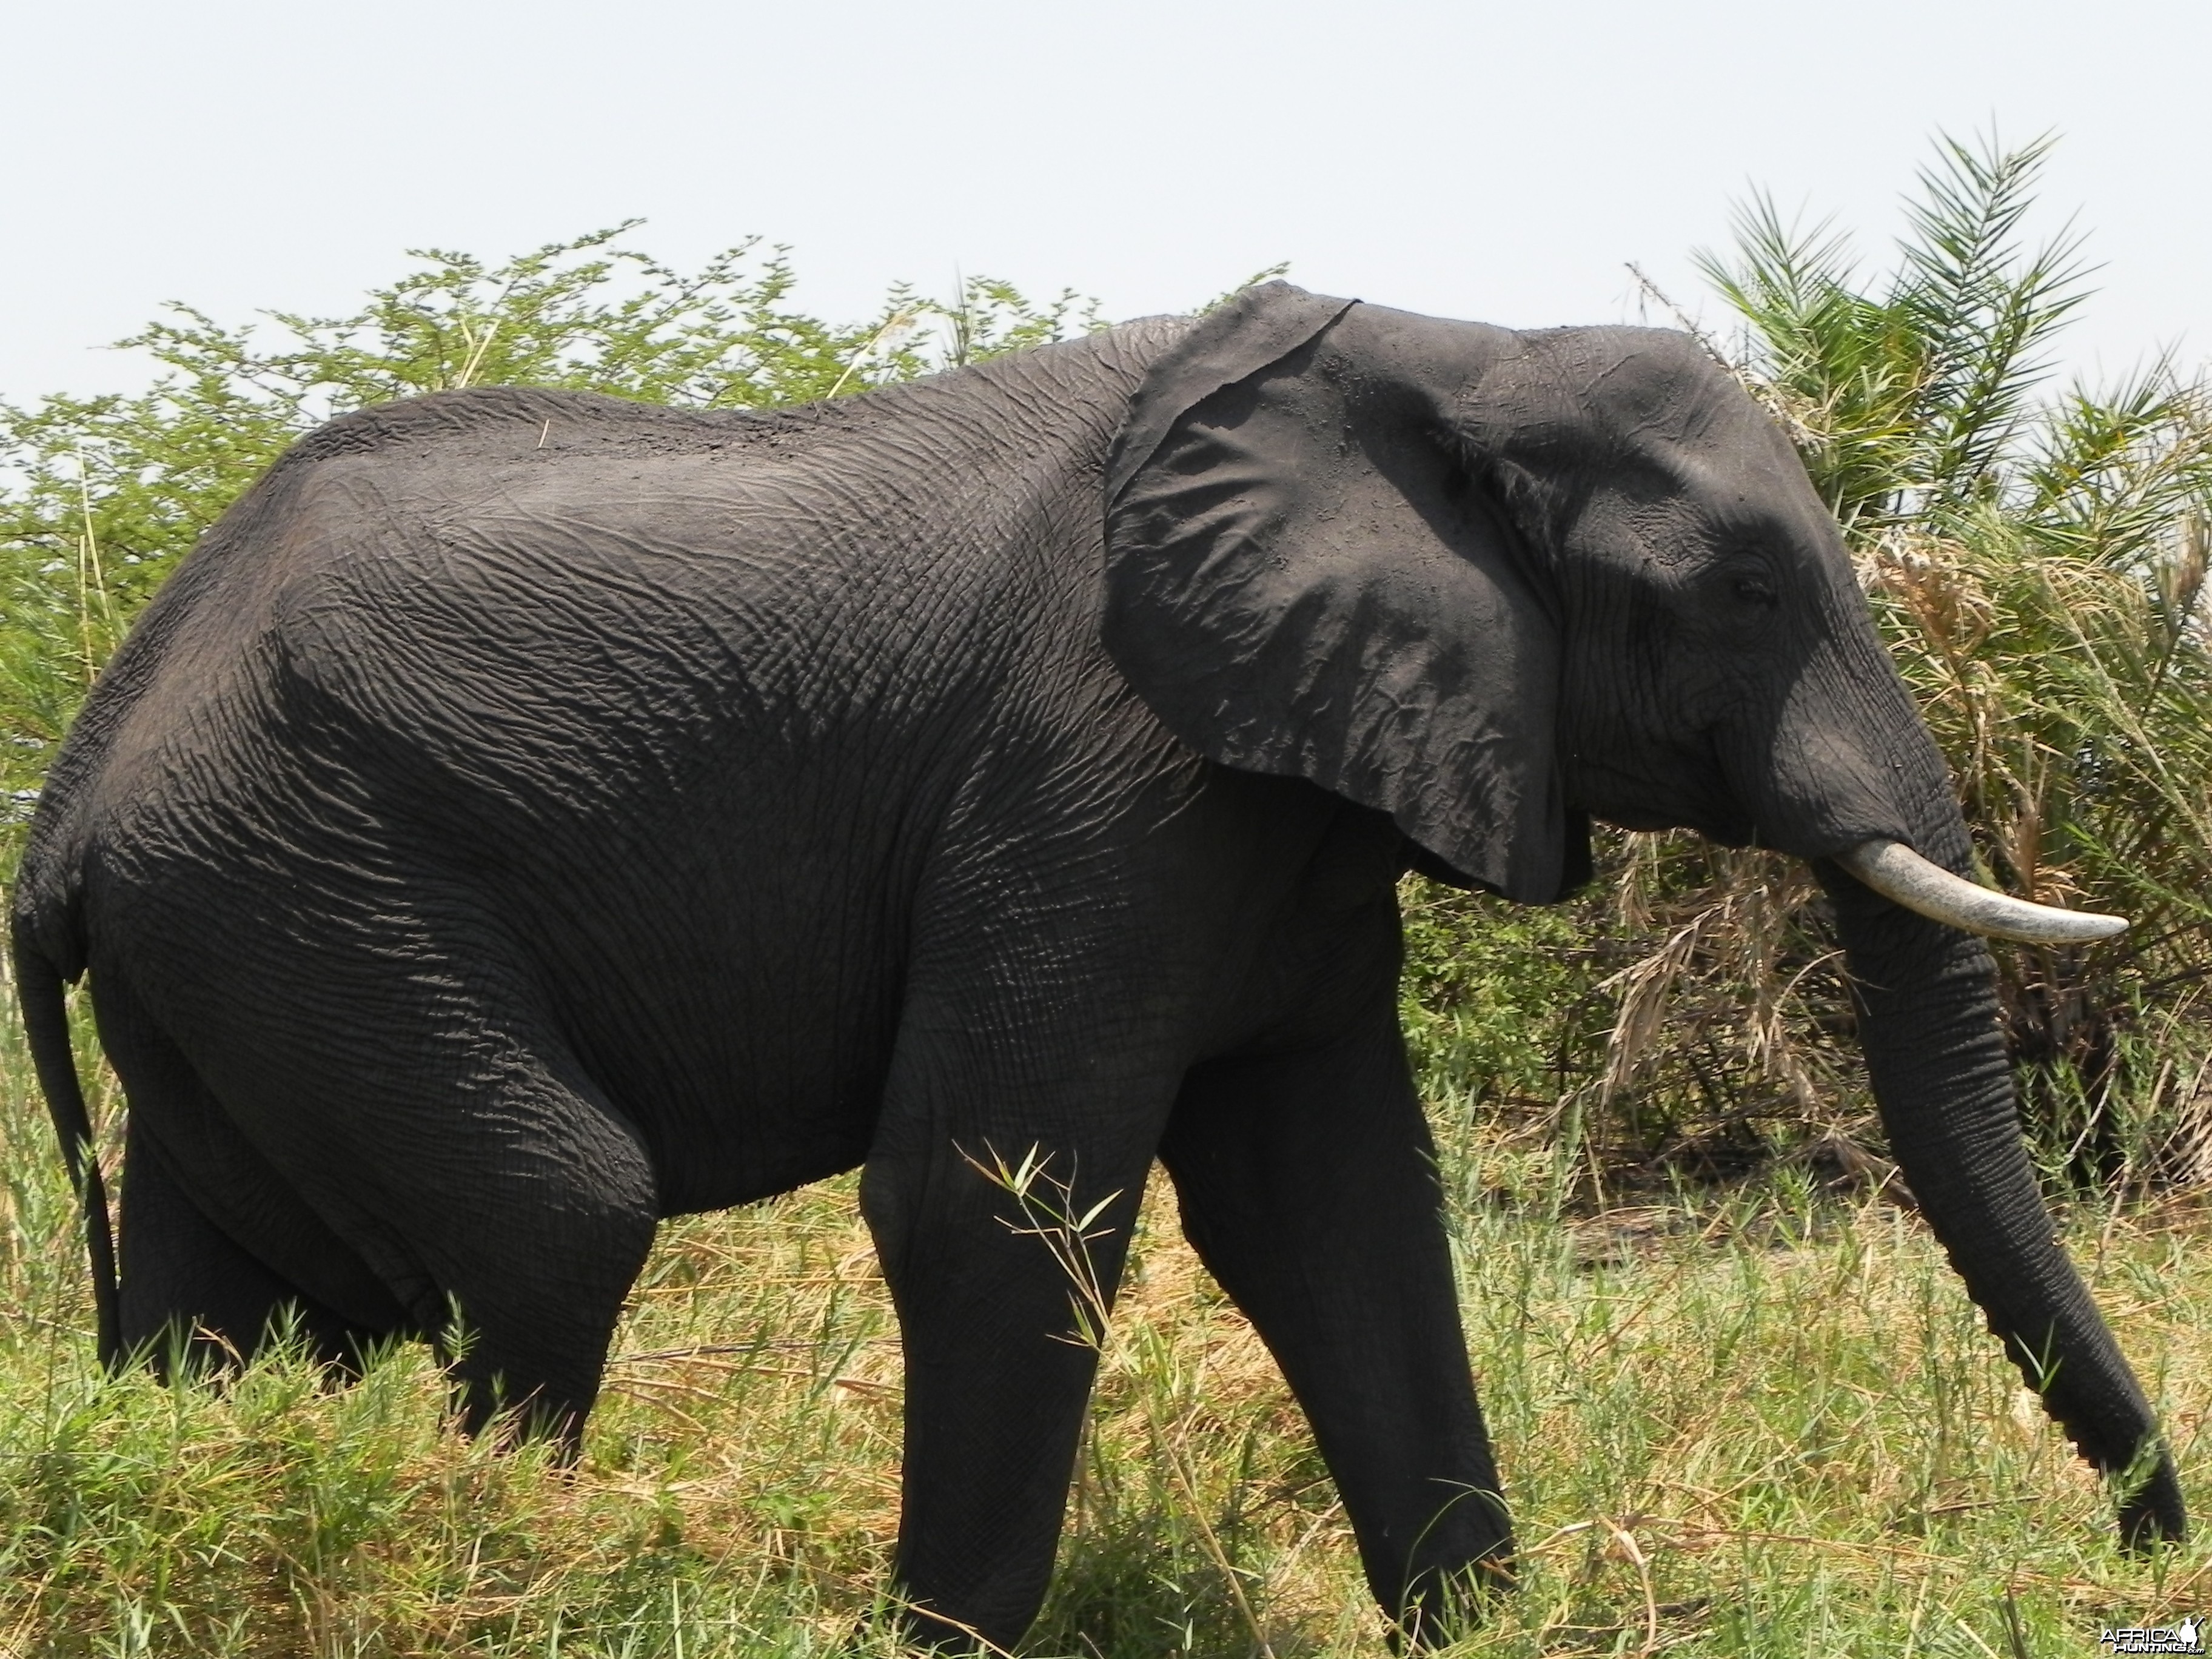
(529, 814)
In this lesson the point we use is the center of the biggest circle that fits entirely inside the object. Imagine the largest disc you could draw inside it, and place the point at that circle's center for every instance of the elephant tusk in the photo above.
(1903, 877)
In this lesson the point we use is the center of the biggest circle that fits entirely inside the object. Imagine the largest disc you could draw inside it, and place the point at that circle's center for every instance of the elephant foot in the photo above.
(483, 1404)
(1448, 1606)
(923, 1632)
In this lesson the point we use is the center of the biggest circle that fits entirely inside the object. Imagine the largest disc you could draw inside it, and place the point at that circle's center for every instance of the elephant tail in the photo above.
(39, 990)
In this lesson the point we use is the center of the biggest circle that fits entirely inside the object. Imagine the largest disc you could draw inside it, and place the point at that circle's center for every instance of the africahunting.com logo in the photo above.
(2187, 1637)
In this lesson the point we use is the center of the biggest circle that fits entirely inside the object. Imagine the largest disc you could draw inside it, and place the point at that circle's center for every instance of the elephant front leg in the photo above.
(999, 1299)
(1307, 1186)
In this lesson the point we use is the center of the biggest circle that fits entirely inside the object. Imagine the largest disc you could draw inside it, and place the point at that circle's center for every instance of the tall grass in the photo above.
(1759, 1424)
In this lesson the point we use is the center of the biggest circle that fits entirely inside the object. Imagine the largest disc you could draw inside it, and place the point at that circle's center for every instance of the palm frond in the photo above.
(1984, 308)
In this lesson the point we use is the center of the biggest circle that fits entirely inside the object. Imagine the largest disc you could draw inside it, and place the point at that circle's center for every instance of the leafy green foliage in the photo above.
(1913, 400)
(100, 496)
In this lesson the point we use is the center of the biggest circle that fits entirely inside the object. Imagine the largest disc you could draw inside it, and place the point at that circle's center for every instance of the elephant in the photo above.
(528, 815)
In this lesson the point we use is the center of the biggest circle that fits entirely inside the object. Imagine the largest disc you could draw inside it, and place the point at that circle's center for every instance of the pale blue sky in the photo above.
(1477, 160)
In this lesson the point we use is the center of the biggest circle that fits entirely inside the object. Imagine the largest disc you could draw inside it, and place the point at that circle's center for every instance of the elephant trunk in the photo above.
(1929, 1023)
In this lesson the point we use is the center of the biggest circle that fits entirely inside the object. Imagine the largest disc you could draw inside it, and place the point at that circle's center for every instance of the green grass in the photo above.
(1759, 1422)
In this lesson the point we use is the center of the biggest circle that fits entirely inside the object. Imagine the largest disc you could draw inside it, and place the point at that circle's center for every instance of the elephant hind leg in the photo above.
(443, 1158)
(218, 1254)
(515, 1204)
(192, 1298)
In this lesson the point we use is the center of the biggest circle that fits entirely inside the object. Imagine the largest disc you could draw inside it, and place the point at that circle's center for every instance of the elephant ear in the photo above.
(1304, 578)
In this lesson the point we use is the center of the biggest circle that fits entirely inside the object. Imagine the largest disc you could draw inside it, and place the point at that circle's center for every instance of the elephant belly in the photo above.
(738, 1128)
(750, 1059)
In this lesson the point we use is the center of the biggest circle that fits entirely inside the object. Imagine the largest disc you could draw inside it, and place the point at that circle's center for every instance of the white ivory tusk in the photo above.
(1902, 876)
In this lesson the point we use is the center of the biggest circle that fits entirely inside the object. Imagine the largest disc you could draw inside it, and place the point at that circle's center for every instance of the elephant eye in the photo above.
(1755, 590)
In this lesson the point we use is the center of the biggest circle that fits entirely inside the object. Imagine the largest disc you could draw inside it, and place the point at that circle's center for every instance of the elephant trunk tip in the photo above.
(1902, 876)
(2155, 1514)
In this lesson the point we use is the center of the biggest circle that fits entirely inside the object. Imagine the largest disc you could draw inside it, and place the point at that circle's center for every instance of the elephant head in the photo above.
(1489, 582)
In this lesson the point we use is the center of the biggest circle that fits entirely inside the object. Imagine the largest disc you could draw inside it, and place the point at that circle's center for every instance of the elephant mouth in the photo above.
(1693, 795)
(1678, 783)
